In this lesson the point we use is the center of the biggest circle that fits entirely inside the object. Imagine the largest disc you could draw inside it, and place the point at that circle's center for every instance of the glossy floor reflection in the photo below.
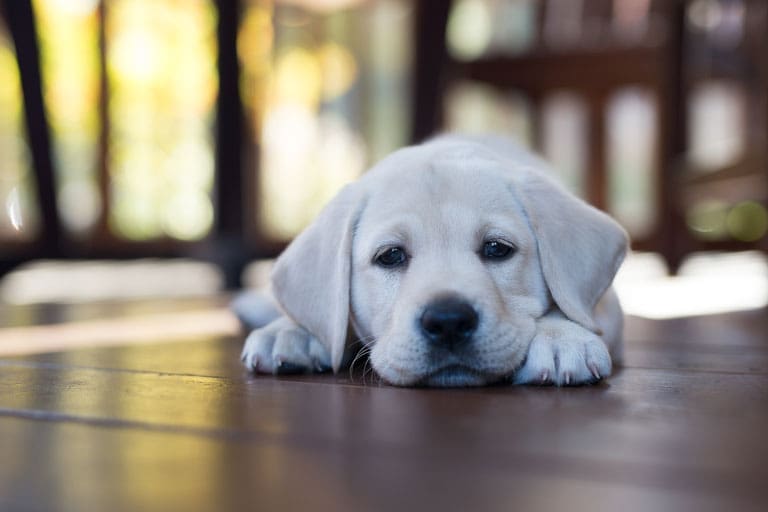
(181, 426)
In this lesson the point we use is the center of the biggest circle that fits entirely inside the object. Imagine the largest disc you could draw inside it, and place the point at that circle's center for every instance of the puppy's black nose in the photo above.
(449, 321)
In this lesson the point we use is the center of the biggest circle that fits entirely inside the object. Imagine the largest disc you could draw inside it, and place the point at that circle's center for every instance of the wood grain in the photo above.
(172, 426)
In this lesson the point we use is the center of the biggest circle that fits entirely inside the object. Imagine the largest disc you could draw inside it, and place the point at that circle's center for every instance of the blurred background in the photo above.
(157, 148)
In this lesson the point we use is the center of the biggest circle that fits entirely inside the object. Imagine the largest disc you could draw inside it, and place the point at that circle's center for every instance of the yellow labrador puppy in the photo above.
(456, 262)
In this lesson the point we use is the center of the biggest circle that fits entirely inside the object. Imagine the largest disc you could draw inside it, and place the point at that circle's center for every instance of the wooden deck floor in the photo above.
(181, 426)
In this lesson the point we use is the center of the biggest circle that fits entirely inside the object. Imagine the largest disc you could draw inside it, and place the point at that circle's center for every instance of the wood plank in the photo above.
(183, 425)
(656, 417)
(336, 439)
(729, 343)
(692, 357)
(79, 467)
(743, 329)
(197, 356)
(25, 315)
(118, 331)
(581, 70)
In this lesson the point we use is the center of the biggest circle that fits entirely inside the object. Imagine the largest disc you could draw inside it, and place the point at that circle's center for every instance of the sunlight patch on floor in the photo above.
(154, 328)
(69, 282)
(706, 284)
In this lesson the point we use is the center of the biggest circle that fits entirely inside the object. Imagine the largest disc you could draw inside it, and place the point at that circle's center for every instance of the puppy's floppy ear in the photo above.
(580, 248)
(311, 278)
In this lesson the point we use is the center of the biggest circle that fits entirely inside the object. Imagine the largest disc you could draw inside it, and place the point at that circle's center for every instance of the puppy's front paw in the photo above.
(565, 359)
(283, 347)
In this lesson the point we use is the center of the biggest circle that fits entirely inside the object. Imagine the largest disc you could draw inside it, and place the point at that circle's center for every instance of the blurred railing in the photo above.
(217, 129)
(654, 110)
(211, 129)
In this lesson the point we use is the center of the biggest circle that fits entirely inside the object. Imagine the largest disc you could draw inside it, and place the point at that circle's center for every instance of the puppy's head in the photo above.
(442, 258)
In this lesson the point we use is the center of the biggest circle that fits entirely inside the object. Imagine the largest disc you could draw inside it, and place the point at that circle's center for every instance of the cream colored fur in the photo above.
(547, 314)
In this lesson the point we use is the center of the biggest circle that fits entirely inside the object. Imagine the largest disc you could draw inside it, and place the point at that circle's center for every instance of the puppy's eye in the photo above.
(497, 249)
(391, 257)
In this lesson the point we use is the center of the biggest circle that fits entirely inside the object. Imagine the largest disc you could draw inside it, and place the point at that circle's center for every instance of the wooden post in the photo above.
(671, 229)
(429, 67)
(229, 238)
(21, 24)
(596, 164)
(103, 233)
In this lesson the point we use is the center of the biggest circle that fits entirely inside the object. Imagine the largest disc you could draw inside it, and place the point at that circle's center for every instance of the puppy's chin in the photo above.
(457, 376)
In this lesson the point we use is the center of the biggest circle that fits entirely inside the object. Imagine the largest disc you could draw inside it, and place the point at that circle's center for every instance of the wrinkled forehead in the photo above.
(451, 195)
(434, 185)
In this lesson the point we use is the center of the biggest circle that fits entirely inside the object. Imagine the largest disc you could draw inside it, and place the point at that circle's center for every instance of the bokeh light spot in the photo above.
(188, 216)
(469, 30)
(706, 219)
(298, 78)
(747, 221)
(339, 70)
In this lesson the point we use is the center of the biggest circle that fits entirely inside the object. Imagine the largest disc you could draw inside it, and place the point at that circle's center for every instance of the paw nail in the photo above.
(284, 368)
(595, 372)
(544, 376)
(567, 378)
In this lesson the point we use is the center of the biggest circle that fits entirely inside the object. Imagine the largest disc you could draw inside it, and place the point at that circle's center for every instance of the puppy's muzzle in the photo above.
(449, 322)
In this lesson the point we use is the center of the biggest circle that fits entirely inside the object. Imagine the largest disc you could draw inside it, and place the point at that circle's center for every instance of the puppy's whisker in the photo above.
(359, 341)
(367, 341)
(362, 354)
(359, 356)
(368, 370)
